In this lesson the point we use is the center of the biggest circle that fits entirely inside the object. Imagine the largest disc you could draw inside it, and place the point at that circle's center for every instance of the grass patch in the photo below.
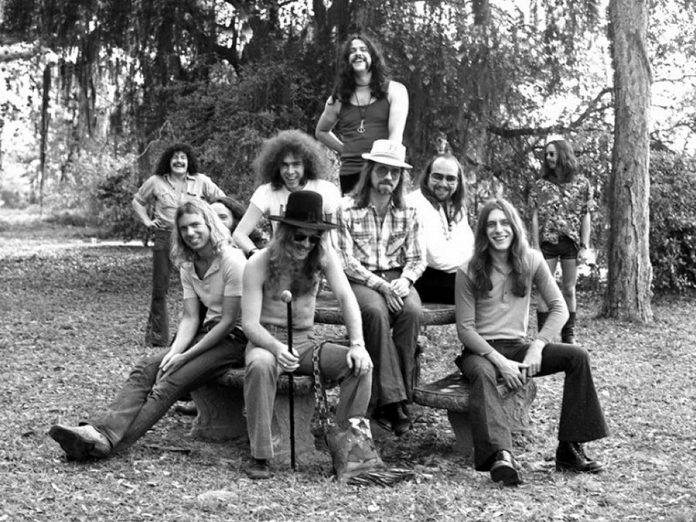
(71, 326)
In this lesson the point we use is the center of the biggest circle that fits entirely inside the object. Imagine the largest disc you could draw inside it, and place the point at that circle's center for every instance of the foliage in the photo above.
(673, 221)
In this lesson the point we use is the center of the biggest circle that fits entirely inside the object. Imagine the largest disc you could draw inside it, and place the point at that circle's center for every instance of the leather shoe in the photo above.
(80, 442)
(258, 469)
(570, 456)
(401, 422)
(383, 420)
(186, 408)
(505, 469)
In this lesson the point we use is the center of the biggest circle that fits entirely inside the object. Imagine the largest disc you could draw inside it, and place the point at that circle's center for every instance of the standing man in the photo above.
(364, 106)
(493, 292)
(295, 260)
(380, 244)
(441, 205)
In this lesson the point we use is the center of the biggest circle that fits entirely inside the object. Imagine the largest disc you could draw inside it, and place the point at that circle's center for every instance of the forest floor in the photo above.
(72, 311)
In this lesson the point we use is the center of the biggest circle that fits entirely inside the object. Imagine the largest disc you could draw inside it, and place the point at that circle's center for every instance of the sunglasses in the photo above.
(299, 237)
(449, 178)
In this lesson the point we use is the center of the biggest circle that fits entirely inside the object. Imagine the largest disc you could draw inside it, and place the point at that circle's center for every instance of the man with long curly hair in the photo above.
(364, 106)
(289, 161)
(295, 260)
(492, 296)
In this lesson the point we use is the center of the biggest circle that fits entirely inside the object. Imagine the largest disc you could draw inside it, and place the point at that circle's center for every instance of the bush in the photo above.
(115, 193)
(673, 221)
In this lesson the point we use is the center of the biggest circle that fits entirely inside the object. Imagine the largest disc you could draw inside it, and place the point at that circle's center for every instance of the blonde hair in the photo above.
(219, 234)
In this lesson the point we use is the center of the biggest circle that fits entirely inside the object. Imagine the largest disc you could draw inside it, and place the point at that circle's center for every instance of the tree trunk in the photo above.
(630, 272)
(44, 131)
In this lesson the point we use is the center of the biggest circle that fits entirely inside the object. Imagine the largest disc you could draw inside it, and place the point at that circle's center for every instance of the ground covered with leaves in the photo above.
(72, 312)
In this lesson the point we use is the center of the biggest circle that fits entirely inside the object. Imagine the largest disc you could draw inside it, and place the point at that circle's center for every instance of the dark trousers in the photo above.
(157, 330)
(390, 339)
(144, 399)
(581, 420)
(436, 286)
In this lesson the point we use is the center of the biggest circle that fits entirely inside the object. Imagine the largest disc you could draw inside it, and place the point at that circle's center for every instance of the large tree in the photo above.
(630, 272)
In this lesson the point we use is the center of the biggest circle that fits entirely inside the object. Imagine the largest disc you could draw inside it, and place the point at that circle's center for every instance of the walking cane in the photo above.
(286, 297)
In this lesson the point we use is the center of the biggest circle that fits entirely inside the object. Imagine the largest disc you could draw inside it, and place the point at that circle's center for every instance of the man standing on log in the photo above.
(295, 261)
(492, 296)
(380, 244)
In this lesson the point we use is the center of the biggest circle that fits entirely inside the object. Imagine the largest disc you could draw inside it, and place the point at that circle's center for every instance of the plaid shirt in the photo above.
(365, 247)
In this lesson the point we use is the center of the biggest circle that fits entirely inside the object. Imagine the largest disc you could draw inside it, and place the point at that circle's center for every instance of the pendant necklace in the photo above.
(362, 110)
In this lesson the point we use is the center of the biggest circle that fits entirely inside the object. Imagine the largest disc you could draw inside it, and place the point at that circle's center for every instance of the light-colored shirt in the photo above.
(364, 246)
(163, 197)
(222, 279)
(502, 315)
(447, 245)
(272, 201)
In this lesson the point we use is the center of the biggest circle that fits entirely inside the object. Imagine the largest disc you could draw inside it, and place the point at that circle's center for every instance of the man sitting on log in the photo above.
(295, 261)
(492, 295)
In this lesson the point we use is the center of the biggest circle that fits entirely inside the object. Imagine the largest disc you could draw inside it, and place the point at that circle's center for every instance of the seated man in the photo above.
(492, 297)
(380, 244)
(441, 206)
(295, 260)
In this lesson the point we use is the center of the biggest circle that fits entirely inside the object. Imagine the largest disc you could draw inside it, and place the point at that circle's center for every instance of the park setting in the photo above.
(97, 92)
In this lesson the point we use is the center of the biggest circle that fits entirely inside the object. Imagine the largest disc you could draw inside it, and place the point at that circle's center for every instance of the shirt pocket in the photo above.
(362, 242)
(166, 200)
(395, 243)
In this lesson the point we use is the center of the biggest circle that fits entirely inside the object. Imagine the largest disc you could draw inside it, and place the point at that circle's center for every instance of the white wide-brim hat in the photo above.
(388, 152)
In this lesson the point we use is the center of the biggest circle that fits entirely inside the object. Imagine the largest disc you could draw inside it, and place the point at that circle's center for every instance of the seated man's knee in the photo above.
(260, 361)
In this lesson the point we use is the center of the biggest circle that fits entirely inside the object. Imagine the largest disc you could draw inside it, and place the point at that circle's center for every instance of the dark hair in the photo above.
(298, 143)
(303, 277)
(481, 262)
(361, 191)
(344, 82)
(458, 196)
(566, 164)
(235, 207)
(163, 164)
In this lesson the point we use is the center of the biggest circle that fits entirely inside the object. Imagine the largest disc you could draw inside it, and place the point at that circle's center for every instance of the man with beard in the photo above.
(379, 241)
(295, 260)
(449, 241)
(364, 106)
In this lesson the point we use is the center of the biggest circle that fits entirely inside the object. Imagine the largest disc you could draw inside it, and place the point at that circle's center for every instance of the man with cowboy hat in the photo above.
(380, 244)
(295, 260)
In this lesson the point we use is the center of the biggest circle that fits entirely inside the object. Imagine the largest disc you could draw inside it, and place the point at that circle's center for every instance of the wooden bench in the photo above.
(451, 393)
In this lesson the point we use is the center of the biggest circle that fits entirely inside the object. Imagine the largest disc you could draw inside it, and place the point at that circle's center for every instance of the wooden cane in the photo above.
(286, 297)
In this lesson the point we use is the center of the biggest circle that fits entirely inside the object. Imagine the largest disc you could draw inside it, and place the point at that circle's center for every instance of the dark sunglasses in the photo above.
(300, 237)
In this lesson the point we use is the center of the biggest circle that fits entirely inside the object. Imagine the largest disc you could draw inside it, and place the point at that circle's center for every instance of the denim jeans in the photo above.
(143, 399)
(261, 377)
(390, 340)
(157, 330)
(581, 419)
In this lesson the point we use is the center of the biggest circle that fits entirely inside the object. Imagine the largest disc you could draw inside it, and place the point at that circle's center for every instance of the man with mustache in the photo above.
(364, 106)
(381, 246)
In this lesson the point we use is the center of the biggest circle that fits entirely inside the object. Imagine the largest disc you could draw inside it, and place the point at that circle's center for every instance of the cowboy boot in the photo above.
(568, 330)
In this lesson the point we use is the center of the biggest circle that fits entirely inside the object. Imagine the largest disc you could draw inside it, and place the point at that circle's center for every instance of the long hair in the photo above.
(163, 164)
(361, 191)
(481, 263)
(298, 143)
(235, 207)
(303, 276)
(344, 83)
(566, 163)
(219, 235)
(458, 196)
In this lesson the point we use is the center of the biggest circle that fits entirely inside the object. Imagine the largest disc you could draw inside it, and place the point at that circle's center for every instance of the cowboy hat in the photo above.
(388, 152)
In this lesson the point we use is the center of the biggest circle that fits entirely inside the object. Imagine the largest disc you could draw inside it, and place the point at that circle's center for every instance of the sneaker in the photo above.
(80, 442)
(258, 469)
(570, 456)
(505, 469)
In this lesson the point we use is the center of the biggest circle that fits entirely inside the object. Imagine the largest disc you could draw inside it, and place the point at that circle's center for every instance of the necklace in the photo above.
(362, 110)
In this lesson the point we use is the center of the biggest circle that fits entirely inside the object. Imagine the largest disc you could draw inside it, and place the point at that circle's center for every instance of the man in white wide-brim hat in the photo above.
(381, 246)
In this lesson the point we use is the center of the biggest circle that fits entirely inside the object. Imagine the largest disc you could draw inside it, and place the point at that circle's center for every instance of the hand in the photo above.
(359, 360)
(533, 359)
(171, 362)
(512, 372)
(155, 224)
(401, 287)
(287, 361)
(394, 302)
